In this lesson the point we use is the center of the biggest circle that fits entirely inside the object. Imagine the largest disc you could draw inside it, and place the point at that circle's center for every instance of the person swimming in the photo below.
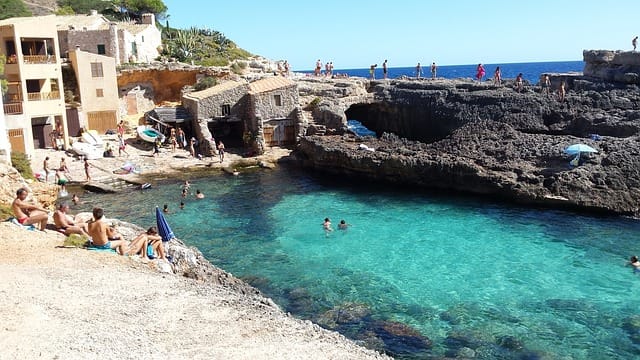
(634, 263)
(326, 225)
(343, 225)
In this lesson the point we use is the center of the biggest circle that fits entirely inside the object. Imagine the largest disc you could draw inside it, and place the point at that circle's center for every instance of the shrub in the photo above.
(238, 68)
(313, 104)
(5, 212)
(205, 83)
(22, 164)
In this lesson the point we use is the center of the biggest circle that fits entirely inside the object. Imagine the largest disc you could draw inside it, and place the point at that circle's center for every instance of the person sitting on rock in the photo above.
(66, 223)
(28, 214)
(140, 245)
(104, 236)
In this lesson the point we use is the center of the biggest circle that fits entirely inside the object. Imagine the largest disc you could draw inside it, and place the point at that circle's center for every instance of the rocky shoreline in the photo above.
(144, 308)
(480, 138)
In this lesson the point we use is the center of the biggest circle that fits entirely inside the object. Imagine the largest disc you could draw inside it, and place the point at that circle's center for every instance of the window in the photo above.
(101, 49)
(226, 110)
(96, 70)
(99, 92)
(277, 99)
(142, 38)
(134, 49)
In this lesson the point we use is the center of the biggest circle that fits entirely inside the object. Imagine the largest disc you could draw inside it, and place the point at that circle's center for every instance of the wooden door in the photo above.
(16, 139)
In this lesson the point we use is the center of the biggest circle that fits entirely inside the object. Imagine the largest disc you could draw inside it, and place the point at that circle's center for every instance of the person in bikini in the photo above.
(104, 236)
(26, 213)
(66, 223)
(139, 245)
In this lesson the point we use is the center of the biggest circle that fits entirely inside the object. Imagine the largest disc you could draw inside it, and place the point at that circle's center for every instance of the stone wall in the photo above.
(211, 106)
(264, 103)
(613, 66)
(88, 40)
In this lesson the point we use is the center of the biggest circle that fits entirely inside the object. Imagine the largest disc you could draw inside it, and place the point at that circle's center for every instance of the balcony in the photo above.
(39, 59)
(40, 96)
(13, 108)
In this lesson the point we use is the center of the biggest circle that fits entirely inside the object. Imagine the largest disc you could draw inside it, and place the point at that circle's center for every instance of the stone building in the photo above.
(273, 111)
(125, 41)
(257, 114)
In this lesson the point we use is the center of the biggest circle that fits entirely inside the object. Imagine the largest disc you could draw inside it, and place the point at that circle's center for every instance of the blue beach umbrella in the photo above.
(579, 148)
(164, 230)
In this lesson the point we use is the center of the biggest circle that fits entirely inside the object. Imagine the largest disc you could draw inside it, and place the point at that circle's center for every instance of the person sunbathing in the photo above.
(104, 236)
(66, 223)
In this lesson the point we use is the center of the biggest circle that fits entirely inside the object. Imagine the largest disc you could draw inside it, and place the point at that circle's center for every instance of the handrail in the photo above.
(39, 59)
(39, 96)
(13, 108)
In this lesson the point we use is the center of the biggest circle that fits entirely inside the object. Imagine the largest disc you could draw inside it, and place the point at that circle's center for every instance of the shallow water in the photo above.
(506, 281)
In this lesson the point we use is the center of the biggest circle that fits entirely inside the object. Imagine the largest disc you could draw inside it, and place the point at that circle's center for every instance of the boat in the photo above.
(92, 137)
(88, 151)
(149, 134)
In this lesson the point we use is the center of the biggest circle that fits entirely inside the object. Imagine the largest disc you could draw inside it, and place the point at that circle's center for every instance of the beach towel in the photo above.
(16, 222)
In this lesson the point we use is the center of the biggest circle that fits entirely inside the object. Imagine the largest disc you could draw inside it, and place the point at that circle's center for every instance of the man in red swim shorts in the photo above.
(26, 213)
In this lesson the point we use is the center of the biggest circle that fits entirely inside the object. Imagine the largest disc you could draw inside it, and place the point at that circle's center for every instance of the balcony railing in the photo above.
(39, 59)
(13, 108)
(39, 96)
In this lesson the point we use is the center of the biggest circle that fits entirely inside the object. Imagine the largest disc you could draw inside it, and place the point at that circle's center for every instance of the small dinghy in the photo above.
(149, 134)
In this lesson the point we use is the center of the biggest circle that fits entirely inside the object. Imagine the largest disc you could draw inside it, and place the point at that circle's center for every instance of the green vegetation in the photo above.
(313, 104)
(114, 9)
(205, 83)
(4, 84)
(13, 8)
(5, 212)
(238, 67)
(201, 46)
(22, 164)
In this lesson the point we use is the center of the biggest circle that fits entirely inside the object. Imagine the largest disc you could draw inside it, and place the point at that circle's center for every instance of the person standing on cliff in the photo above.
(318, 68)
(634, 42)
(418, 71)
(480, 72)
(497, 77)
(372, 71)
(384, 69)
(434, 69)
(562, 91)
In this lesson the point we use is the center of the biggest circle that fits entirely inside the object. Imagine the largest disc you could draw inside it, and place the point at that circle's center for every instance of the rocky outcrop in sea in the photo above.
(480, 138)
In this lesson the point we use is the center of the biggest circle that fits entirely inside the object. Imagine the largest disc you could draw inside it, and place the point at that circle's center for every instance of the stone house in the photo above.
(219, 112)
(124, 41)
(34, 105)
(273, 111)
(257, 114)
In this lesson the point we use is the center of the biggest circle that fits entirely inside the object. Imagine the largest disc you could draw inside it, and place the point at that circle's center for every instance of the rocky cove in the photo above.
(480, 138)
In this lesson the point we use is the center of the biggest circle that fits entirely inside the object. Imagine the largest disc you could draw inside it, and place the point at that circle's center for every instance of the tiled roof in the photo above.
(269, 83)
(215, 90)
(17, 20)
(79, 22)
(133, 28)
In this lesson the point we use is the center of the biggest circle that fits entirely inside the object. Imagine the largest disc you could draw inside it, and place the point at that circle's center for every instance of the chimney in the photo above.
(77, 47)
(148, 19)
(93, 12)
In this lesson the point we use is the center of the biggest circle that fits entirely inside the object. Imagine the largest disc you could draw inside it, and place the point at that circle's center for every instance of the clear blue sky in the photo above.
(355, 34)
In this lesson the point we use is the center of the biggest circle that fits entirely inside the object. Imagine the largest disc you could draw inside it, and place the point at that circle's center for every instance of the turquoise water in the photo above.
(508, 282)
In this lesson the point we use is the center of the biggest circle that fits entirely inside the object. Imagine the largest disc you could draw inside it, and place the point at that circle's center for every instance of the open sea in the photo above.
(530, 71)
(476, 277)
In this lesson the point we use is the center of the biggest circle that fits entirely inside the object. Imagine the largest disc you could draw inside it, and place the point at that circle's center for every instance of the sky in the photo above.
(356, 34)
